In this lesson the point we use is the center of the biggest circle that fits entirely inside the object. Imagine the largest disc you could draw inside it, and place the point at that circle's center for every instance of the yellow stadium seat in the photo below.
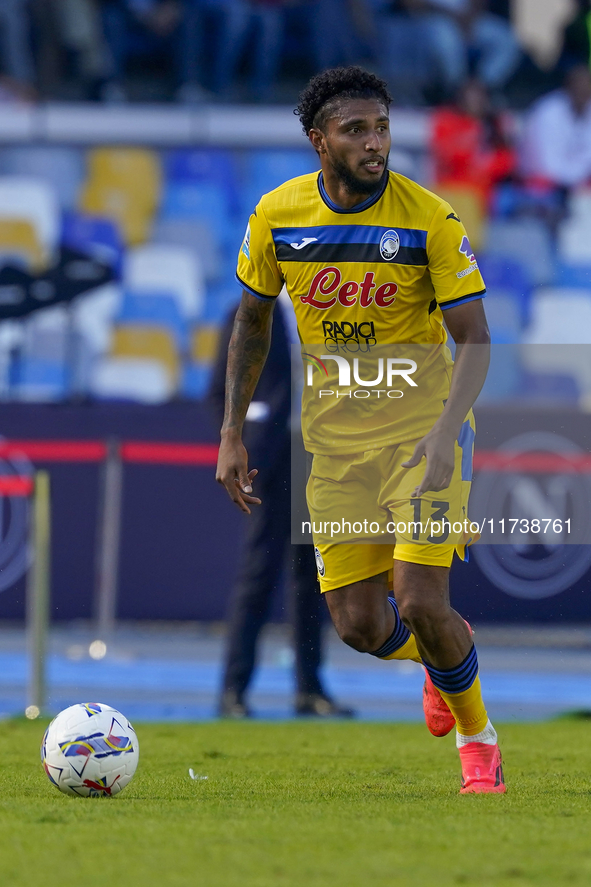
(19, 237)
(135, 169)
(204, 343)
(147, 342)
(470, 207)
(123, 184)
(132, 216)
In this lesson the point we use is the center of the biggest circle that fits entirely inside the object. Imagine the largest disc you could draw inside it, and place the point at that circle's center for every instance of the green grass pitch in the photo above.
(303, 804)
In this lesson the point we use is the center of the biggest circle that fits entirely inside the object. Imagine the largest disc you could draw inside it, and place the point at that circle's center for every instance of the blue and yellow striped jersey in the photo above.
(379, 274)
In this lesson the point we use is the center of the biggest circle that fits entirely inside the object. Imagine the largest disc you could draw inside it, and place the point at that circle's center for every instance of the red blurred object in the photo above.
(470, 145)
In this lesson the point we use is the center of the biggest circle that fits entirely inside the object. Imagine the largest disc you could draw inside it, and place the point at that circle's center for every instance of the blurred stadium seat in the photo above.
(206, 166)
(505, 374)
(555, 366)
(39, 380)
(41, 368)
(124, 185)
(508, 278)
(174, 270)
(270, 168)
(573, 275)
(195, 235)
(199, 201)
(560, 315)
(527, 241)
(98, 237)
(33, 200)
(120, 205)
(265, 170)
(555, 386)
(504, 320)
(148, 342)
(574, 233)
(204, 343)
(11, 337)
(154, 309)
(63, 166)
(195, 381)
(132, 379)
(20, 245)
(93, 316)
(137, 169)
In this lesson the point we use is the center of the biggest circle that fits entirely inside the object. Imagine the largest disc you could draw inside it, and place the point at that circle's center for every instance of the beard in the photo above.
(353, 184)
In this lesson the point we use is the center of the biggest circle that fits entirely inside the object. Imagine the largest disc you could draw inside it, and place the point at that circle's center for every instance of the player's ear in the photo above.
(316, 137)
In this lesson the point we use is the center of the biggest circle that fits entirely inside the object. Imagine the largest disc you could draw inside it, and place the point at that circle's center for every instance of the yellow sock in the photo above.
(468, 709)
(401, 644)
(409, 650)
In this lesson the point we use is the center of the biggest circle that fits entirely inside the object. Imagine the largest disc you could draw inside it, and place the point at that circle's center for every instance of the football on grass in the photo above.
(91, 750)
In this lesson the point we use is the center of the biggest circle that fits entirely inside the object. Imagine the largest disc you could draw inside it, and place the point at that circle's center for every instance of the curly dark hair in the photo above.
(336, 83)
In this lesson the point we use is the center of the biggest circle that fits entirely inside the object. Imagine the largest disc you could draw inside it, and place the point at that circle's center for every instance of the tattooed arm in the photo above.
(247, 353)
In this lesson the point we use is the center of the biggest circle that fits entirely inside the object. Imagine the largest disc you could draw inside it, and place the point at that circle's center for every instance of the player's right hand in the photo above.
(232, 472)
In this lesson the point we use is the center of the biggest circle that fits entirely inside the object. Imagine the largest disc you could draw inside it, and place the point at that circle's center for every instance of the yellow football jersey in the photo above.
(380, 274)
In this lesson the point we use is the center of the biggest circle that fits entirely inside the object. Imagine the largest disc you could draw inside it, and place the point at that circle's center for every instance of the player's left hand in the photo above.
(438, 449)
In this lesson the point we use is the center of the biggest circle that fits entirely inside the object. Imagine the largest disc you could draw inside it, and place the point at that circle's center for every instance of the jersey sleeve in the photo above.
(454, 270)
(258, 271)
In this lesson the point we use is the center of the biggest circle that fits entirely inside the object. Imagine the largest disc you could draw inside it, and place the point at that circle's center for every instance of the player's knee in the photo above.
(417, 614)
(361, 634)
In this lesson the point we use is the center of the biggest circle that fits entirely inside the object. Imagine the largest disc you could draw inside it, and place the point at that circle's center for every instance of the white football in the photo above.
(90, 749)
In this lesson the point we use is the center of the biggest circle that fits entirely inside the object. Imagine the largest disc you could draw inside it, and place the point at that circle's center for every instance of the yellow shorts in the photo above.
(364, 516)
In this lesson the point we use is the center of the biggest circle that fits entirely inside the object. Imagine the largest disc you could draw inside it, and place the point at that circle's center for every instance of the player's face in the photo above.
(357, 143)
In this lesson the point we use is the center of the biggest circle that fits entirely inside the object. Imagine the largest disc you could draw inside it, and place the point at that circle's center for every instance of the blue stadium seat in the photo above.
(216, 167)
(98, 237)
(157, 309)
(545, 387)
(527, 241)
(37, 379)
(265, 170)
(508, 278)
(272, 167)
(574, 276)
(504, 377)
(198, 200)
(220, 299)
(195, 381)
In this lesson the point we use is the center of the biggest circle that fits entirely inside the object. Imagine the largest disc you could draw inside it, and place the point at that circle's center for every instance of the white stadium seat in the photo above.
(93, 315)
(171, 270)
(560, 316)
(134, 379)
(558, 339)
(526, 240)
(64, 167)
(34, 200)
(197, 236)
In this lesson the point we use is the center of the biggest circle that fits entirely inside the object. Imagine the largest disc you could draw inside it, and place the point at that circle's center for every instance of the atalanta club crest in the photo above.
(319, 562)
(389, 245)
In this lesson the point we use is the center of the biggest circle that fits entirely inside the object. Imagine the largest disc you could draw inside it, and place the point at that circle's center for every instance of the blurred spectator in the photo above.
(259, 25)
(470, 143)
(81, 34)
(577, 36)
(47, 42)
(152, 25)
(450, 32)
(343, 32)
(15, 45)
(556, 145)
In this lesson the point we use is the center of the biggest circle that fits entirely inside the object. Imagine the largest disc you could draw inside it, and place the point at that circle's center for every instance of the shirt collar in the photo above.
(360, 207)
